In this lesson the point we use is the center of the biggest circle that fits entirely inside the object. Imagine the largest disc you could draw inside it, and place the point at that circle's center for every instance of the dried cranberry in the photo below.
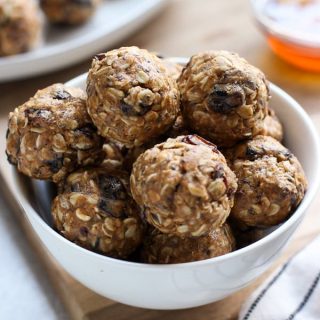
(197, 140)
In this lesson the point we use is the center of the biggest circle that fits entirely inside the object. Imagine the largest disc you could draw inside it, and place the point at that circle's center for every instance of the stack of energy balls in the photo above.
(21, 22)
(157, 161)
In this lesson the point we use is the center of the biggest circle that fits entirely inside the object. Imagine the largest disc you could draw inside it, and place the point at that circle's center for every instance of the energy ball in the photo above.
(271, 182)
(95, 210)
(52, 134)
(223, 97)
(184, 186)
(20, 26)
(70, 12)
(131, 97)
(272, 126)
(163, 248)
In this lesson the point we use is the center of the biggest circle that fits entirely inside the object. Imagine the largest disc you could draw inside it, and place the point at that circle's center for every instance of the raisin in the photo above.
(129, 110)
(33, 113)
(55, 164)
(251, 153)
(75, 187)
(111, 187)
(62, 95)
(84, 231)
(226, 97)
(125, 108)
(142, 109)
(87, 130)
(99, 56)
(219, 172)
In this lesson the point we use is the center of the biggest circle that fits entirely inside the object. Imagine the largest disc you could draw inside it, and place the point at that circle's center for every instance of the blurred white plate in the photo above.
(114, 20)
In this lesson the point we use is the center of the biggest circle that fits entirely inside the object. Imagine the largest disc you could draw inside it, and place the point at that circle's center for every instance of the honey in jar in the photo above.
(292, 28)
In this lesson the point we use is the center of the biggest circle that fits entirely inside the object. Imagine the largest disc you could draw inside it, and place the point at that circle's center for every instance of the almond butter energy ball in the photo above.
(271, 182)
(184, 186)
(52, 134)
(166, 248)
(223, 97)
(20, 26)
(95, 210)
(131, 97)
(68, 11)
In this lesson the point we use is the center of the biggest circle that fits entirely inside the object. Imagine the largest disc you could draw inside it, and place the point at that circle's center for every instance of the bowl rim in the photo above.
(294, 218)
(296, 37)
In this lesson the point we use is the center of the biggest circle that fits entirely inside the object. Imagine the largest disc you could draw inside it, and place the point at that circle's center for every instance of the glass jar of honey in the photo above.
(292, 28)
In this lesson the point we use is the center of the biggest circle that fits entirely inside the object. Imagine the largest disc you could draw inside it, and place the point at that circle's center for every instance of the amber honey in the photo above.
(292, 28)
(297, 55)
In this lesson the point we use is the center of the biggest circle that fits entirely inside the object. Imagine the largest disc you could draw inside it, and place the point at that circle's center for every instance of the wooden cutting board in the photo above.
(187, 26)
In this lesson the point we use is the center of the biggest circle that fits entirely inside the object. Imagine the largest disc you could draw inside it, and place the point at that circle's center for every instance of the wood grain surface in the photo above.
(183, 28)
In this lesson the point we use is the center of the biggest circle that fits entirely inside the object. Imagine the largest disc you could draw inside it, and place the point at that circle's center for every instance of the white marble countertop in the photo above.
(25, 291)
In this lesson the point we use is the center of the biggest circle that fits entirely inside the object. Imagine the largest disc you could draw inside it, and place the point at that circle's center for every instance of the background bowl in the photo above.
(178, 285)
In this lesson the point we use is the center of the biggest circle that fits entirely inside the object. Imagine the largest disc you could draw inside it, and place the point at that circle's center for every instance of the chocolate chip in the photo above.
(62, 95)
(99, 56)
(55, 164)
(226, 97)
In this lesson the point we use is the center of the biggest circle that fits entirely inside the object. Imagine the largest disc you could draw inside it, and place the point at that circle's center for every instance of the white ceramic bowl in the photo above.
(189, 284)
